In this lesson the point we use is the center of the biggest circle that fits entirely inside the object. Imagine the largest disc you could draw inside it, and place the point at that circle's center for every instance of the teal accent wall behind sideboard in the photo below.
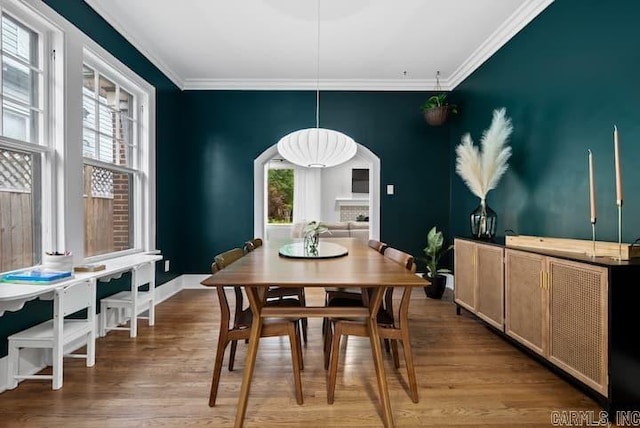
(565, 80)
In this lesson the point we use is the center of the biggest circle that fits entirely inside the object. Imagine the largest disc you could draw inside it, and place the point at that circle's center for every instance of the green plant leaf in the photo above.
(435, 101)
(434, 251)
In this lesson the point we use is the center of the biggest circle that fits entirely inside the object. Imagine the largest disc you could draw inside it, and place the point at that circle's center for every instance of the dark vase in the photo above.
(436, 289)
(483, 222)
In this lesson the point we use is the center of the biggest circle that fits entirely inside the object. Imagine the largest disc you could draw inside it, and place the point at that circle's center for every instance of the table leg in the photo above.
(376, 349)
(252, 351)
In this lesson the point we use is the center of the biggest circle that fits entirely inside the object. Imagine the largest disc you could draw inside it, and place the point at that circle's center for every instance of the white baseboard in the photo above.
(168, 289)
(192, 281)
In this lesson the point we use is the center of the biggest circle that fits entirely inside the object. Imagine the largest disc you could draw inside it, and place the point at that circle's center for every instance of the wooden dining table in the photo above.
(362, 267)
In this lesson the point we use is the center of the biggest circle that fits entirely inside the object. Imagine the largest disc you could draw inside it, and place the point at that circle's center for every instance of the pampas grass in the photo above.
(481, 170)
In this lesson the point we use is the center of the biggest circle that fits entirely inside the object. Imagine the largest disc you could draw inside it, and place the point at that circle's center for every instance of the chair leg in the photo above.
(304, 329)
(133, 323)
(299, 349)
(152, 303)
(333, 367)
(57, 358)
(386, 345)
(12, 366)
(152, 312)
(327, 333)
(232, 354)
(103, 319)
(295, 360)
(411, 371)
(394, 353)
(217, 369)
(304, 321)
(91, 348)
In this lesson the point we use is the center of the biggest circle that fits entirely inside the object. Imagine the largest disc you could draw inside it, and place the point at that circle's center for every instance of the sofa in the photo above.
(340, 229)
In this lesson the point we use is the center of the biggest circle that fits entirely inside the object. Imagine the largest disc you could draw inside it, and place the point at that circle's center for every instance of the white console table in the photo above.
(14, 296)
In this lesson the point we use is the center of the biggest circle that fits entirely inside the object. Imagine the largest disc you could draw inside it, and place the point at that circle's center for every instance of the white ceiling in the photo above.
(273, 44)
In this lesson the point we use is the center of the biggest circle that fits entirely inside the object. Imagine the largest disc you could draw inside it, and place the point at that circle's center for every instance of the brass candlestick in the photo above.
(619, 230)
(593, 238)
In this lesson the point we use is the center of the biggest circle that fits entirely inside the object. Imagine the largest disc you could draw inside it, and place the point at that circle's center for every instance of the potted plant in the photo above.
(433, 252)
(436, 109)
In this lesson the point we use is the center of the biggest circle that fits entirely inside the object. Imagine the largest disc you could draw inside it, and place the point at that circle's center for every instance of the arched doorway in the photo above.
(260, 169)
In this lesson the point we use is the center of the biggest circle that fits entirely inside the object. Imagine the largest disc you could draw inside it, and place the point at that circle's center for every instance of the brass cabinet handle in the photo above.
(541, 280)
(548, 279)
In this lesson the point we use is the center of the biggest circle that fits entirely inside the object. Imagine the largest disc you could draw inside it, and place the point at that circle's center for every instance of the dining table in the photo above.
(358, 267)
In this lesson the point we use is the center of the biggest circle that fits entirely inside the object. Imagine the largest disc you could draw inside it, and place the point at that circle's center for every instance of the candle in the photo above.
(592, 189)
(616, 147)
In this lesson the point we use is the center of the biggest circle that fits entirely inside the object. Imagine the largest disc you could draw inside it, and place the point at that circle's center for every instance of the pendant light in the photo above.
(317, 147)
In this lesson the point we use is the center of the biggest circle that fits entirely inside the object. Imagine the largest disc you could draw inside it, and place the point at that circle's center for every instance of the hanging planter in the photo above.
(436, 109)
(436, 116)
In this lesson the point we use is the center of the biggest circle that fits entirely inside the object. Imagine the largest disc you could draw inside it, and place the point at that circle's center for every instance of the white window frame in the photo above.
(49, 36)
(62, 195)
(140, 166)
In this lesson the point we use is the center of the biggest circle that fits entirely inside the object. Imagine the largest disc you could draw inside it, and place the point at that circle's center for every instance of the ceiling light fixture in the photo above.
(317, 147)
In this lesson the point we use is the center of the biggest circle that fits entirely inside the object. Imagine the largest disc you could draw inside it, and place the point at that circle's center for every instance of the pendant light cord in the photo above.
(318, 71)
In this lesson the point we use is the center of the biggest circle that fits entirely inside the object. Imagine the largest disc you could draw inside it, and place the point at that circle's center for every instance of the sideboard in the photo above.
(574, 313)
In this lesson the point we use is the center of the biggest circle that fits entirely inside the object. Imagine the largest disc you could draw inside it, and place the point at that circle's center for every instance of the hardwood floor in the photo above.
(467, 376)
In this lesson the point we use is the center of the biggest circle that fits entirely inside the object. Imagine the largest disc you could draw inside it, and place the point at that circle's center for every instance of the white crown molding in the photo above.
(516, 22)
(151, 56)
(312, 84)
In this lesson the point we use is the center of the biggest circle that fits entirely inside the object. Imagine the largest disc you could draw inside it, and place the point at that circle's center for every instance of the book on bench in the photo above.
(89, 267)
(36, 276)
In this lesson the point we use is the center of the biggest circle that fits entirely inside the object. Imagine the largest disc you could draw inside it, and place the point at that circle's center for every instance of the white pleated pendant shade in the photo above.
(317, 147)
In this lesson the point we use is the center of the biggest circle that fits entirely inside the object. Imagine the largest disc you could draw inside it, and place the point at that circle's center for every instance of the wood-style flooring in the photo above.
(467, 376)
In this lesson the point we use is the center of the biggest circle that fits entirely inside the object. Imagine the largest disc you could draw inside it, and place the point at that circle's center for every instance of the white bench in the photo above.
(58, 332)
(127, 305)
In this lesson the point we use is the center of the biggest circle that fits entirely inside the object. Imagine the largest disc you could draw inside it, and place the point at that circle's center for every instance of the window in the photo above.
(77, 144)
(110, 152)
(21, 152)
(280, 195)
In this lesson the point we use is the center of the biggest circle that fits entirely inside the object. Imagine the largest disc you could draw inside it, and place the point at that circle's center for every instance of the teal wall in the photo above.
(229, 129)
(565, 80)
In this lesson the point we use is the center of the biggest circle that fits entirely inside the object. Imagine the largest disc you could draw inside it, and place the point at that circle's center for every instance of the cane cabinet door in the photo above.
(578, 320)
(490, 284)
(464, 274)
(526, 299)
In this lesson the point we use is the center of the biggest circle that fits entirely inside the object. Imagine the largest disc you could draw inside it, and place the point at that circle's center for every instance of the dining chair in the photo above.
(391, 331)
(338, 296)
(241, 329)
(275, 292)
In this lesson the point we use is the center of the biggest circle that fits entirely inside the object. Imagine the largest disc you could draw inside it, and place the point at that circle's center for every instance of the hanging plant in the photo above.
(436, 110)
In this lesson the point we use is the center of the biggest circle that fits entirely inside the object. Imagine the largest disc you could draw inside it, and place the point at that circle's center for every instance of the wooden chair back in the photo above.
(225, 259)
(401, 258)
(252, 244)
(377, 245)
